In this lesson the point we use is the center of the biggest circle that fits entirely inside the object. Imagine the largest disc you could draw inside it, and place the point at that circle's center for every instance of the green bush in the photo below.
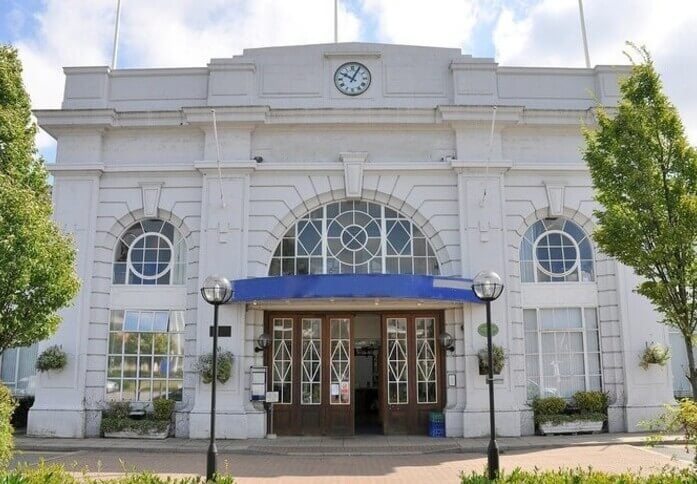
(583, 476)
(118, 410)
(677, 418)
(570, 417)
(548, 406)
(44, 473)
(590, 402)
(141, 426)
(7, 408)
(162, 409)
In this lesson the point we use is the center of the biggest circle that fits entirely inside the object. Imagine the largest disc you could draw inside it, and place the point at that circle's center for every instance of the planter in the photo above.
(133, 434)
(574, 427)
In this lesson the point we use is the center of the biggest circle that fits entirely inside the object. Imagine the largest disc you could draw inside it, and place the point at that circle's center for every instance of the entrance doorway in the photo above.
(363, 372)
(367, 344)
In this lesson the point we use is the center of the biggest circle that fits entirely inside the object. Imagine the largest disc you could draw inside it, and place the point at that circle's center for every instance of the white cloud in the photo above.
(439, 23)
(549, 34)
(164, 33)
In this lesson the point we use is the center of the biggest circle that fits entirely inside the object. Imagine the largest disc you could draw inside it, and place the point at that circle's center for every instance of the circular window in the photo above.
(353, 237)
(556, 253)
(150, 256)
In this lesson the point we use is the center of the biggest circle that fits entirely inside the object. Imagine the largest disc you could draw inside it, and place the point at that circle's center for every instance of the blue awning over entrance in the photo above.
(325, 286)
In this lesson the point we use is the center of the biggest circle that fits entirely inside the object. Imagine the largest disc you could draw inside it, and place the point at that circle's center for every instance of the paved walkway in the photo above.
(434, 468)
(333, 446)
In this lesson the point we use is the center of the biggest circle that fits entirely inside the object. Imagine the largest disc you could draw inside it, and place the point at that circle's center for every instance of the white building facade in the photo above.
(359, 187)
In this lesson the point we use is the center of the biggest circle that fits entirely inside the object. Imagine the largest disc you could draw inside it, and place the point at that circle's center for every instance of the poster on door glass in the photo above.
(345, 389)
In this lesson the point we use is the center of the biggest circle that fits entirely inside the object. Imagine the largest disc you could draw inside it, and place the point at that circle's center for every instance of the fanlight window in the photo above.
(556, 250)
(354, 237)
(150, 252)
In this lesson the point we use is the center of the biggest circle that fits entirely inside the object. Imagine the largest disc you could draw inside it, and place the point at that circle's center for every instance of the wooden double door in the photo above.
(311, 365)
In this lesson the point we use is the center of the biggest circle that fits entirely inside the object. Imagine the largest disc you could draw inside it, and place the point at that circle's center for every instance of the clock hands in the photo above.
(355, 74)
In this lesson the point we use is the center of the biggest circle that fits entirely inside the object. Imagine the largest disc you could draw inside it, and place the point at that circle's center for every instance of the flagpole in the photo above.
(583, 34)
(116, 34)
(336, 21)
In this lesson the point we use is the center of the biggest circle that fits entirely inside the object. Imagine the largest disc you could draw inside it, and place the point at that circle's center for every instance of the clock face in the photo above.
(352, 78)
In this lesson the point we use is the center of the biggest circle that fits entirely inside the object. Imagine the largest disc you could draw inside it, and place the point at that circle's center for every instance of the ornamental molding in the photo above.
(555, 199)
(353, 172)
(151, 198)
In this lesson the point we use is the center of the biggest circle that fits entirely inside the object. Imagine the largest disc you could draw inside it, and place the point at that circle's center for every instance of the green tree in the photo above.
(645, 177)
(37, 275)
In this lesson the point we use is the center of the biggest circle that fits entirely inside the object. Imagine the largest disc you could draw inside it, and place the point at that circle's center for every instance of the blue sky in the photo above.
(51, 34)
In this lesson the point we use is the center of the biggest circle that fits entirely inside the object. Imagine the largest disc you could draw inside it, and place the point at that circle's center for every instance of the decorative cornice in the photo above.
(479, 167)
(227, 167)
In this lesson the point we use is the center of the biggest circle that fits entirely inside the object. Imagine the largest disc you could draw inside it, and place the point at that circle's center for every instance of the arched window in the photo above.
(556, 250)
(353, 237)
(150, 252)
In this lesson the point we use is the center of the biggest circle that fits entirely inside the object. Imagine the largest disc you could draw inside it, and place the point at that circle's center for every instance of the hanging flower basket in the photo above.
(499, 360)
(52, 358)
(654, 354)
(204, 366)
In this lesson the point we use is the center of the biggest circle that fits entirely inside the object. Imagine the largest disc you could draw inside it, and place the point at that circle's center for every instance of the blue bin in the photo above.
(436, 424)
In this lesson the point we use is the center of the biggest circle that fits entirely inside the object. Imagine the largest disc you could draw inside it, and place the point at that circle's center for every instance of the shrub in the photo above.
(204, 366)
(52, 358)
(7, 408)
(499, 360)
(548, 406)
(162, 409)
(583, 476)
(590, 402)
(141, 426)
(118, 410)
(654, 353)
(43, 473)
(677, 418)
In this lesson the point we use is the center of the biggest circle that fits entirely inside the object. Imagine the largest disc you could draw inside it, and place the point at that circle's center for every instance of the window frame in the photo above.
(413, 255)
(584, 330)
(12, 386)
(532, 262)
(122, 355)
(124, 273)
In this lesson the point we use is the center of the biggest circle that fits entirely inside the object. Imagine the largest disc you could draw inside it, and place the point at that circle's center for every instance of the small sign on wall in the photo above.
(481, 329)
(272, 397)
(258, 382)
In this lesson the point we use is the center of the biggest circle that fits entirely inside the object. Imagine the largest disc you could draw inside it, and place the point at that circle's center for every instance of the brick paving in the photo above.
(424, 468)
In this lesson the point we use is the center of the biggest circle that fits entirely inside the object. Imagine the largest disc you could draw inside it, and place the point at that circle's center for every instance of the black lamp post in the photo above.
(216, 290)
(487, 286)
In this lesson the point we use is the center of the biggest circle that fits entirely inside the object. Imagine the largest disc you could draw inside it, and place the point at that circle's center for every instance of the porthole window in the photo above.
(354, 237)
(556, 250)
(150, 252)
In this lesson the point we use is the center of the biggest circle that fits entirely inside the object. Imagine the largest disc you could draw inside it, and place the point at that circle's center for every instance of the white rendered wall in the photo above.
(417, 141)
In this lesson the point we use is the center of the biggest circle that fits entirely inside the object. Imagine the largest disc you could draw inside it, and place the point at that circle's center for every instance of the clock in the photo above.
(352, 78)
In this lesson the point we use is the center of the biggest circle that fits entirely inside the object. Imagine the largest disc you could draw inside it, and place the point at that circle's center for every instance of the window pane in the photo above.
(282, 351)
(397, 375)
(311, 361)
(339, 362)
(426, 362)
(131, 364)
(349, 237)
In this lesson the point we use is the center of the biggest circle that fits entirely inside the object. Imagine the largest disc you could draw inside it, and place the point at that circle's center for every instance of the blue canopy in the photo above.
(324, 286)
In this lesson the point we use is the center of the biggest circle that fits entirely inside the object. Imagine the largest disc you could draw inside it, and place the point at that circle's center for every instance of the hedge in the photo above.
(56, 474)
(583, 476)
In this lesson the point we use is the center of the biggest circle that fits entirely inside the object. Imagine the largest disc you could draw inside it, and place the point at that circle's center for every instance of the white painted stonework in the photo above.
(139, 143)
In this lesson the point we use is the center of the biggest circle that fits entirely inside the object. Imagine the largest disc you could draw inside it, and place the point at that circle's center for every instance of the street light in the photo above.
(487, 286)
(216, 290)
